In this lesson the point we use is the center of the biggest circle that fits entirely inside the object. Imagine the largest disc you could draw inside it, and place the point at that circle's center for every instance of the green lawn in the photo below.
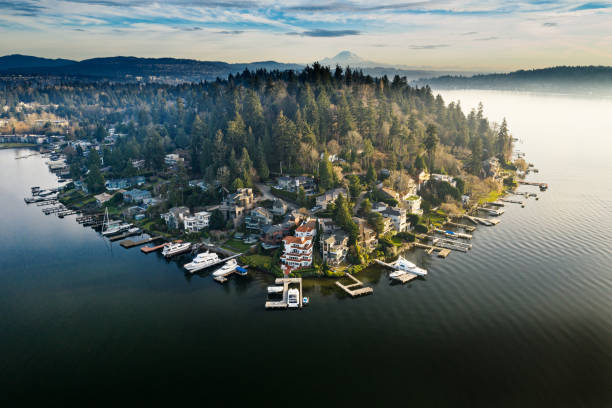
(236, 245)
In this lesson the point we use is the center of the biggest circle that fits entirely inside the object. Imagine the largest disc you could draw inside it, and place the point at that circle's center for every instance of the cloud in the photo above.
(21, 8)
(592, 6)
(486, 39)
(326, 33)
(550, 24)
(470, 33)
(230, 32)
(428, 46)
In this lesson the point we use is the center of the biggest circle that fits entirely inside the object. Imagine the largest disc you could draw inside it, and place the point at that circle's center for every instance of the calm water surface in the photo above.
(524, 319)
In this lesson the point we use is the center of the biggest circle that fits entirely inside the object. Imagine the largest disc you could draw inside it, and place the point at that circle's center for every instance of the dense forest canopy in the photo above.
(255, 123)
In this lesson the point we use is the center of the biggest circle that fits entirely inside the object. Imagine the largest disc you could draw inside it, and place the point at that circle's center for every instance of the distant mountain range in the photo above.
(174, 69)
(122, 67)
(577, 79)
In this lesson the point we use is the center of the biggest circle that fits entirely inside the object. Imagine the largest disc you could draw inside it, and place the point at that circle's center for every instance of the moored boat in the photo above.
(201, 261)
(227, 268)
(176, 249)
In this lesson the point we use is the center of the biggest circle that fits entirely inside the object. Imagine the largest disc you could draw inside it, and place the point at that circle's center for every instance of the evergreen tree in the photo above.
(326, 177)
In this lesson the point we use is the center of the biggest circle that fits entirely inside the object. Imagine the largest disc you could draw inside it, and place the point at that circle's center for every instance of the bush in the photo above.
(406, 236)
(420, 228)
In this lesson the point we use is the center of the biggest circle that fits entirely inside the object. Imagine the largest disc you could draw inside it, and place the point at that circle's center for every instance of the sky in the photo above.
(488, 35)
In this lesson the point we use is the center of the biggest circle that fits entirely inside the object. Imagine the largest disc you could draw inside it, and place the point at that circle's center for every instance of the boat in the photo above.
(201, 261)
(133, 230)
(176, 249)
(229, 266)
(272, 290)
(293, 298)
(403, 266)
(115, 227)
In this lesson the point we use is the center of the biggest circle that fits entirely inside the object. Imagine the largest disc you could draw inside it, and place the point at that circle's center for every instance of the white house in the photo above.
(398, 217)
(197, 222)
(413, 205)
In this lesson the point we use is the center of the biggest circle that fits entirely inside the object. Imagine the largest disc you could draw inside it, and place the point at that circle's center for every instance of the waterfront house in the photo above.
(102, 198)
(272, 235)
(329, 196)
(279, 207)
(197, 222)
(398, 218)
(297, 250)
(80, 185)
(138, 164)
(334, 247)
(379, 206)
(367, 236)
(257, 219)
(136, 196)
(175, 216)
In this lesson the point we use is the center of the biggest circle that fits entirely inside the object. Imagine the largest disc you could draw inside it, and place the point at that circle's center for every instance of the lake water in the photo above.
(524, 319)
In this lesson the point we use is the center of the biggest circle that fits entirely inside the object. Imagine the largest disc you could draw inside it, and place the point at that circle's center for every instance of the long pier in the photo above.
(452, 244)
(149, 249)
(510, 200)
(355, 289)
(491, 211)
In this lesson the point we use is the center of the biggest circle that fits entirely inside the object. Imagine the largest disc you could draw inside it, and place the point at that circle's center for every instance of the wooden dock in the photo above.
(452, 244)
(355, 289)
(113, 238)
(492, 211)
(442, 252)
(406, 277)
(283, 304)
(484, 221)
(149, 249)
(128, 243)
(468, 228)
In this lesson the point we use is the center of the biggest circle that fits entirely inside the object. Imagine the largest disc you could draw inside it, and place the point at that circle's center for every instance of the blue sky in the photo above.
(481, 34)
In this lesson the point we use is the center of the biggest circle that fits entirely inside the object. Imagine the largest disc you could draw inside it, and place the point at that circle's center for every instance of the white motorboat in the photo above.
(133, 230)
(273, 290)
(403, 266)
(293, 298)
(227, 268)
(201, 261)
(176, 249)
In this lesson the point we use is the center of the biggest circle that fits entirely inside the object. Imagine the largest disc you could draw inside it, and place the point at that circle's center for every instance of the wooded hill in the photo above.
(253, 123)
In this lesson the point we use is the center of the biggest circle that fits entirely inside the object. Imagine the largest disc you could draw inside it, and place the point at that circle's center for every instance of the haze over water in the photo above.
(524, 319)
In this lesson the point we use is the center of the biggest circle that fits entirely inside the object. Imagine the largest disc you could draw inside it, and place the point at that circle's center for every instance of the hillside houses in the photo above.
(257, 219)
(123, 183)
(329, 196)
(175, 217)
(293, 184)
(235, 205)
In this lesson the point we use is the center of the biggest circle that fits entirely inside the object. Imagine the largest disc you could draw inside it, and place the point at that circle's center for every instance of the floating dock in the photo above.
(128, 243)
(509, 200)
(452, 244)
(283, 304)
(355, 289)
(114, 238)
(484, 221)
(491, 211)
(442, 252)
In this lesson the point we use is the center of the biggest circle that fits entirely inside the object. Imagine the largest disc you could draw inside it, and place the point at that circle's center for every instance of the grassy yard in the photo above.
(236, 245)
(493, 196)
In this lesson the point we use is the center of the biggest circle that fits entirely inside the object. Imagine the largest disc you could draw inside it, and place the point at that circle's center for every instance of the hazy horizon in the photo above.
(475, 35)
